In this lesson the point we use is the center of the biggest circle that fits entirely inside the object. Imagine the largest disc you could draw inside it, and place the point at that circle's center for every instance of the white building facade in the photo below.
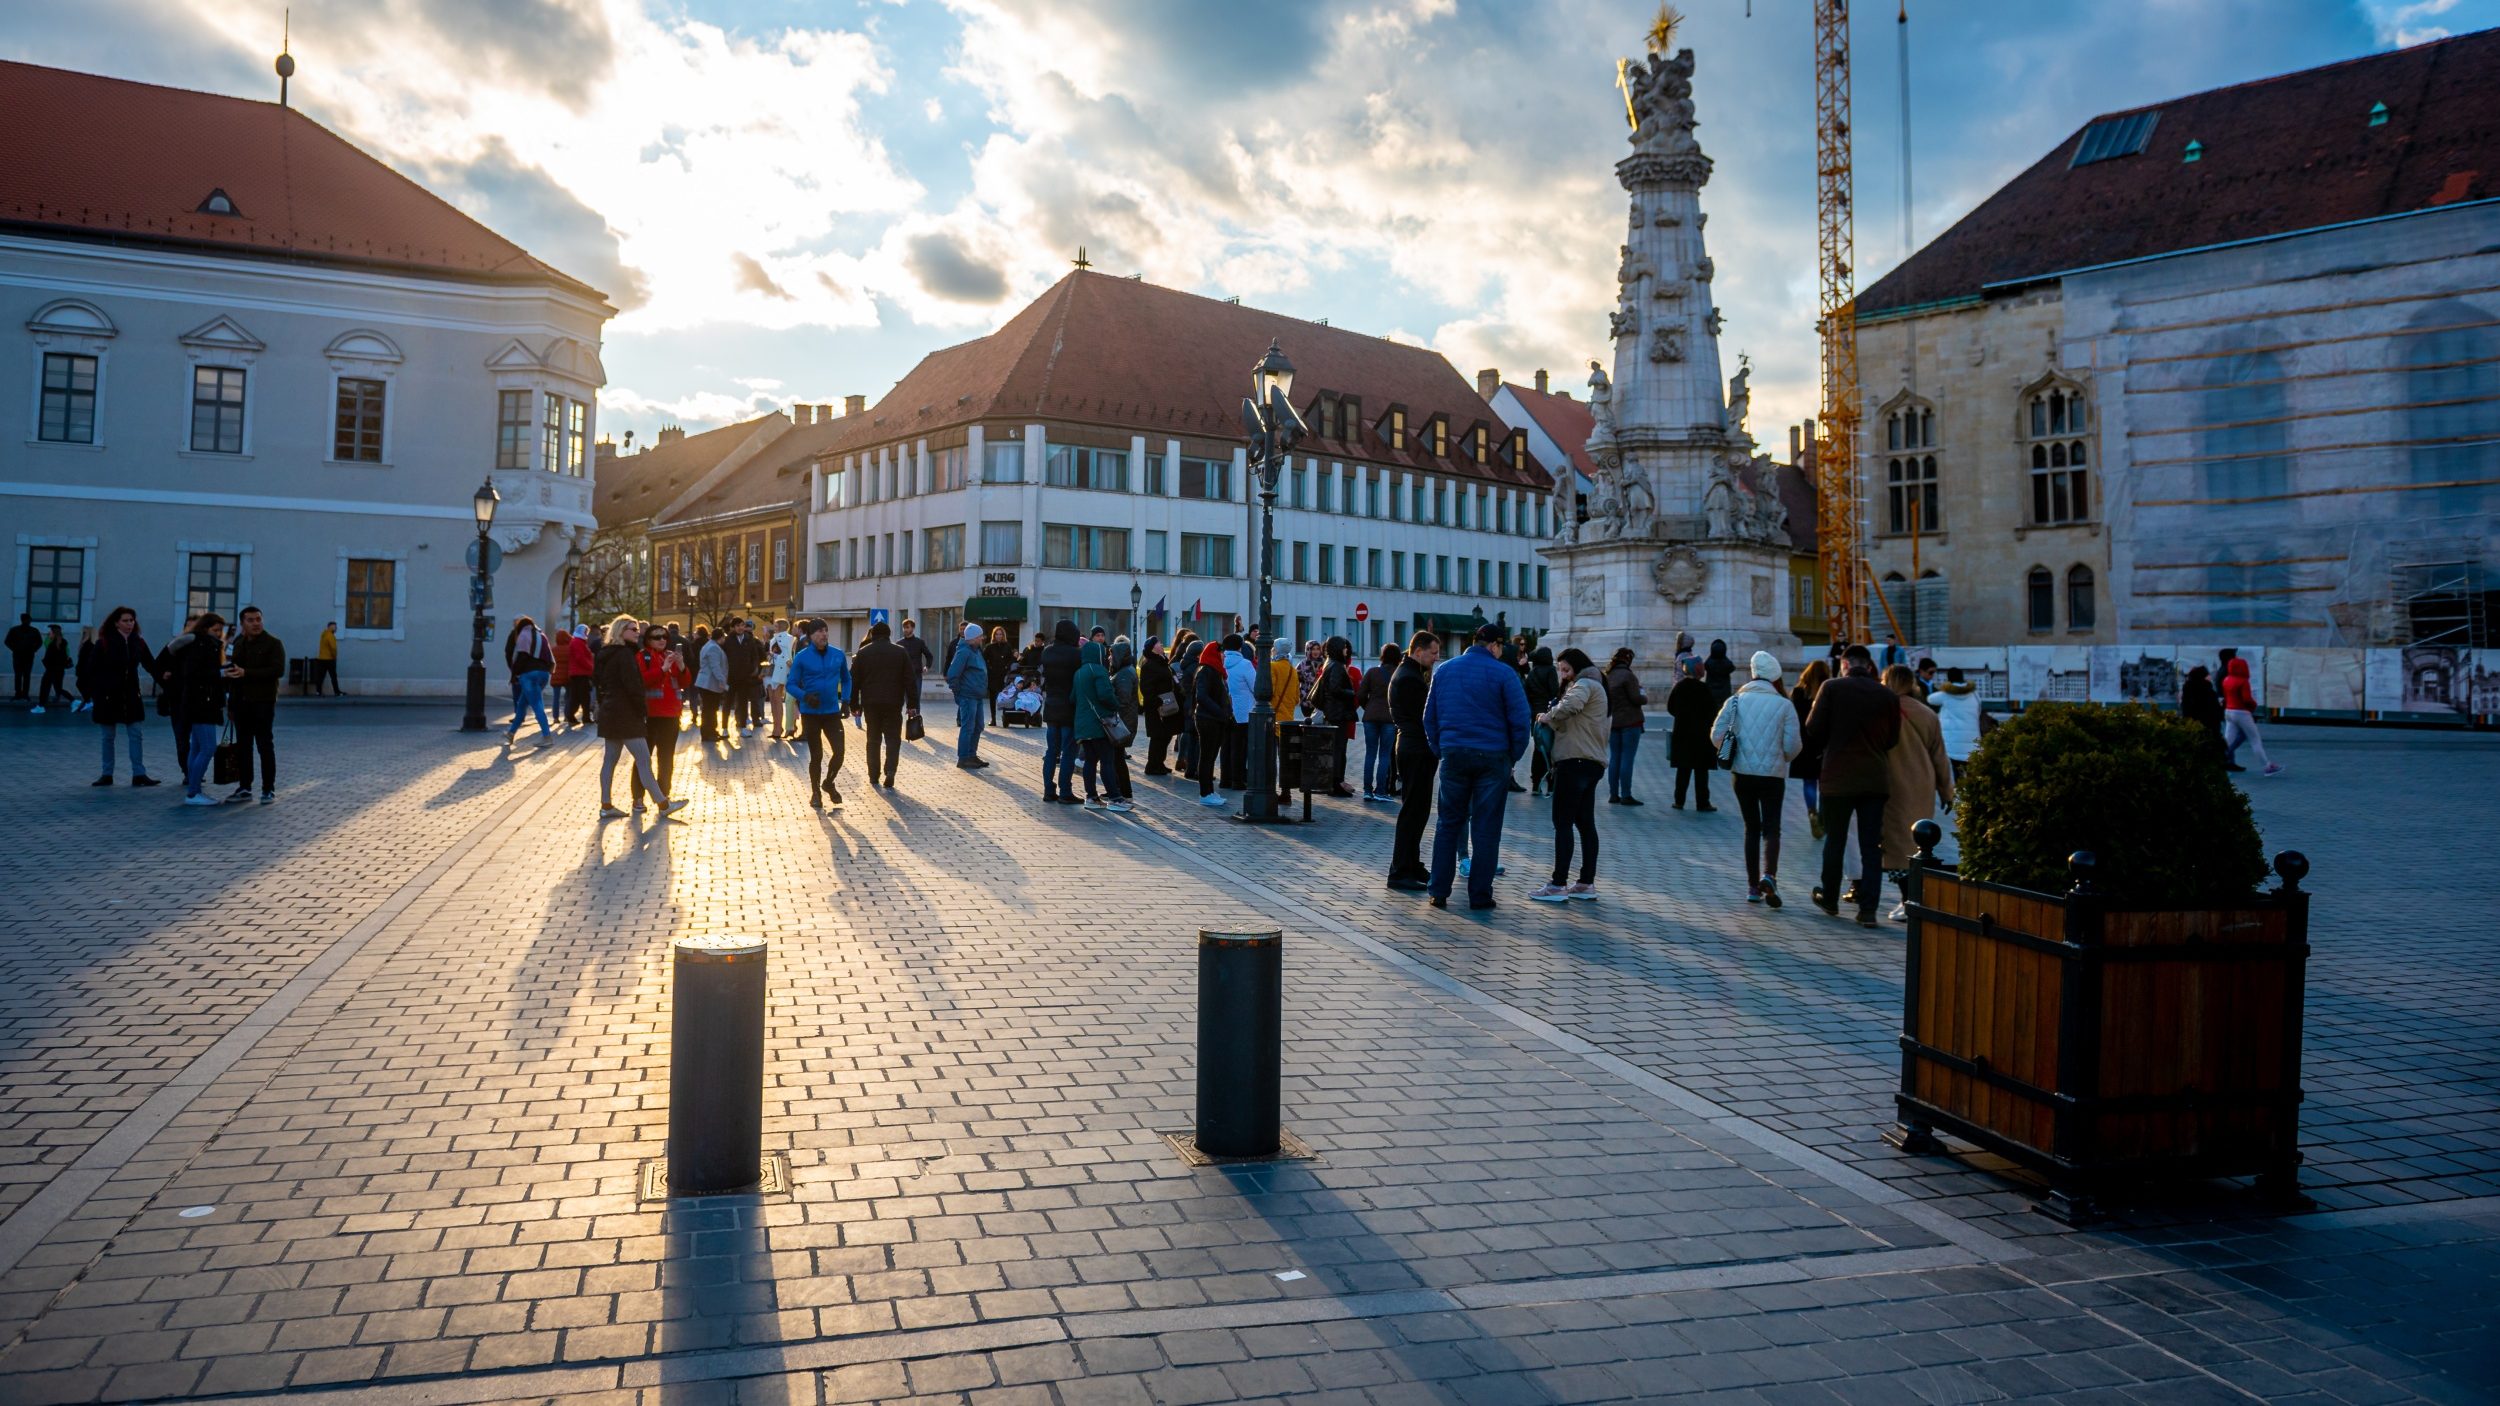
(202, 424)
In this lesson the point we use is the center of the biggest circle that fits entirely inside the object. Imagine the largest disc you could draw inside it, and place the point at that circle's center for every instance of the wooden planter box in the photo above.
(2100, 1044)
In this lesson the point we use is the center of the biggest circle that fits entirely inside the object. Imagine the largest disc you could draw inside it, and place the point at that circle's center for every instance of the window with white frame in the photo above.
(551, 436)
(1002, 543)
(1076, 466)
(1005, 463)
(372, 594)
(217, 409)
(512, 429)
(356, 428)
(945, 547)
(2053, 441)
(1203, 555)
(1153, 480)
(950, 467)
(1085, 548)
(1158, 551)
(1207, 478)
(576, 436)
(67, 412)
(1910, 494)
(214, 581)
(56, 584)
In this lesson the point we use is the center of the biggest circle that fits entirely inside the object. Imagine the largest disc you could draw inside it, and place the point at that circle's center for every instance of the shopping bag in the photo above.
(226, 767)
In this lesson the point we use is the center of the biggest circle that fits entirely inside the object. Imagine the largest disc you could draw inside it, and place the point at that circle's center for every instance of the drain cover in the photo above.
(1288, 1149)
(654, 1180)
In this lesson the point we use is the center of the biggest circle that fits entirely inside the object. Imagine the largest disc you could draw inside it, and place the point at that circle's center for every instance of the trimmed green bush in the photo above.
(2140, 789)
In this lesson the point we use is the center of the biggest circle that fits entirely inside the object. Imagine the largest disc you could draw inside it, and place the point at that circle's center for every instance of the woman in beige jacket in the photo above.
(1581, 733)
(1922, 775)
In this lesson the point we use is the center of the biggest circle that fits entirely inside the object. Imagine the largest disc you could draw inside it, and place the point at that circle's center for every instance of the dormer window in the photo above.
(1397, 428)
(1480, 447)
(1440, 437)
(218, 203)
(1349, 415)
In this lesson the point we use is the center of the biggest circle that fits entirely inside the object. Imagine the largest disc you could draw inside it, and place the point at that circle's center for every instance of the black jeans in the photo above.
(1416, 766)
(322, 669)
(1158, 741)
(24, 666)
(885, 740)
(50, 692)
(1115, 771)
(254, 725)
(814, 727)
(1575, 808)
(1759, 799)
(1236, 752)
(661, 734)
(1869, 811)
(1212, 732)
(1700, 777)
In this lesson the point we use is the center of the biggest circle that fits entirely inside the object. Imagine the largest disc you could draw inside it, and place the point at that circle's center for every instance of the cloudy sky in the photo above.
(794, 200)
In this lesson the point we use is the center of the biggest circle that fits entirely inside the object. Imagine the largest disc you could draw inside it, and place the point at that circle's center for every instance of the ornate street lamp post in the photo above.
(1274, 429)
(482, 558)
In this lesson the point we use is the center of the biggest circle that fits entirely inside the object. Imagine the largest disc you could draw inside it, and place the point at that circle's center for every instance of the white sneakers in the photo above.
(202, 800)
(1213, 799)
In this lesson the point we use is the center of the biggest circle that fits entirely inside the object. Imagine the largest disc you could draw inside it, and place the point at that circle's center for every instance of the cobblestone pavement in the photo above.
(349, 1099)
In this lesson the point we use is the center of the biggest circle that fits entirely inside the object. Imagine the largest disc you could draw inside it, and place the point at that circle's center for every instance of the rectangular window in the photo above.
(1328, 490)
(68, 413)
(1484, 577)
(1300, 556)
(1802, 603)
(1540, 583)
(781, 558)
(551, 436)
(1074, 466)
(1207, 478)
(576, 436)
(215, 579)
(1327, 564)
(56, 578)
(1502, 578)
(755, 561)
(512, 429)
(1397, 570)
(1910, 494)
(1085, 548)
(1002, 543)
(371, 587)
(216, 410)
(1297, 487)
(1155, 482)
(660, 575)
(828, 564)
(945, 547)
(950, 467)
(356, 434)
(1006, 463)
(1158, 551)
(1377, 498)
(1440, 573)
(1205, 555)
(1371, 573)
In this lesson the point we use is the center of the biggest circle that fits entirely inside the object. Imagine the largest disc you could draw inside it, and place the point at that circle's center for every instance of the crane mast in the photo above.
(1838, 493)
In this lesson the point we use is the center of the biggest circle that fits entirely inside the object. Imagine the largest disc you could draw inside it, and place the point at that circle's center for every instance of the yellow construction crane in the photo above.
(1838, 495)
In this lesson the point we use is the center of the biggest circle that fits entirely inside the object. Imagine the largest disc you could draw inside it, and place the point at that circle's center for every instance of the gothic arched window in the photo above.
(2056, 417)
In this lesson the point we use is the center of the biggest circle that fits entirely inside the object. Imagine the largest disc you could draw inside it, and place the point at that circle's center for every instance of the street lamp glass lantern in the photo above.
(483, 503)
(1136, 594)
(1273, 376)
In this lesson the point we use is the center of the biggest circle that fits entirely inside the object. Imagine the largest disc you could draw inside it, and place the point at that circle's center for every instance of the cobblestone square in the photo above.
(345, 1098)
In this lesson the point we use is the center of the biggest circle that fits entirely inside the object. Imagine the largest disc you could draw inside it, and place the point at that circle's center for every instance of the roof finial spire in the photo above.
(1081, 261)
(286, 61)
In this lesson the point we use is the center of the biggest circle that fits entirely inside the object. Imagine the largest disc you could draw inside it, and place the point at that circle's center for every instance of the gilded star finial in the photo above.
(1662, 29)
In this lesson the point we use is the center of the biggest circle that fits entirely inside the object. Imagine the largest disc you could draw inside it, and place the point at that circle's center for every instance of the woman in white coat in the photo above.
(1762, 723)
(1957, 711)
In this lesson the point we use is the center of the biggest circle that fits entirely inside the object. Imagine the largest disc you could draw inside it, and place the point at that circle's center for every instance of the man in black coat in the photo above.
(745, 654)
(1060, 660)
(881, 679)
(1856, 720)
(917, 650)
(23, 640)
(252, 703)
(1409, 688)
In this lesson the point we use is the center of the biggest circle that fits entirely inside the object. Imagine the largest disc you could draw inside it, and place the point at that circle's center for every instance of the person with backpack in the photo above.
(527, 652)
(1758, 730)
(1625, 698)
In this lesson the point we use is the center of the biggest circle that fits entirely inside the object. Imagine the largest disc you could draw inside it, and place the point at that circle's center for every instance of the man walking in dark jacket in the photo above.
(1060, 660)
(1476, 722)
(1854, 723)
(746, 675)
(915, 649)
(23, 640)
(881, 672)
(1408, 690)
(252, 704)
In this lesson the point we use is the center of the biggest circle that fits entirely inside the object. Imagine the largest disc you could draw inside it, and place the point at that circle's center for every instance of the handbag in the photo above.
(1115, 730)
(226, 766)
(1166, 705)
(914, 729)
(1727, 751)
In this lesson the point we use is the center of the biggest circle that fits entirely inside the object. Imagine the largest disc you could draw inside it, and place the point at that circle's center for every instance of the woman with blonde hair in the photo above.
(624, 717)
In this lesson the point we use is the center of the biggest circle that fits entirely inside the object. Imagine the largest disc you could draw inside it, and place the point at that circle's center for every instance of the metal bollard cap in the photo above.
(719, 949)
(1209, 937)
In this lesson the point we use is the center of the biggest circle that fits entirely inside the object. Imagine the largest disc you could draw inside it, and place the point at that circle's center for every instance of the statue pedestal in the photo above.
(1636, 594)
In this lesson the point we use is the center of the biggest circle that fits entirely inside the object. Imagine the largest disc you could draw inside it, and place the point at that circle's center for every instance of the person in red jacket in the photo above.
(580, 699)
(664, 681)
(2239, 715)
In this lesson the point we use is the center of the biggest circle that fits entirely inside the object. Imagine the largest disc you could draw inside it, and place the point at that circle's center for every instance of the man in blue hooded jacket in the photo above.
(1476, 722)
(968, 677)
(820, 681)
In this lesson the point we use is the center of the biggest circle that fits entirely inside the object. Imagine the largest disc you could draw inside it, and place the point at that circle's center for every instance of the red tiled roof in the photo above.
(1129, 355)
(632, 487)
(1568, 421)
(105, 157)
(2278, 155)
(775, 478)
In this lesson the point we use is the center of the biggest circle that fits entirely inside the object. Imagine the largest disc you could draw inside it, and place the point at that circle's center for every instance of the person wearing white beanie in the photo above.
(968, 678)
(1757, 732)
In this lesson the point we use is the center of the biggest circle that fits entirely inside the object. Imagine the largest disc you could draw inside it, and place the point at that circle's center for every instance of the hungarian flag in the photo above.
(1199, 610)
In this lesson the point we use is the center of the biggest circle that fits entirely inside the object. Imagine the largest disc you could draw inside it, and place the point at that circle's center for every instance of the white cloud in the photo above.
(699, 410)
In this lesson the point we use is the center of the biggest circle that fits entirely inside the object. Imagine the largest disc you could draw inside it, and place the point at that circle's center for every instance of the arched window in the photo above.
(2040, 601)
(2244, 411)
(2452, 398)
(2080, 613)
(1910, 497)
(2056, 419)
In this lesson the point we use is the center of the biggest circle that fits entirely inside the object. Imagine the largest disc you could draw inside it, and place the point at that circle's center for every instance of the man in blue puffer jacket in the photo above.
(1476, 722)
(820, 682)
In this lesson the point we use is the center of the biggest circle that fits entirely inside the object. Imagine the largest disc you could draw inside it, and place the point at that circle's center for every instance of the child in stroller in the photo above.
(1020, 702)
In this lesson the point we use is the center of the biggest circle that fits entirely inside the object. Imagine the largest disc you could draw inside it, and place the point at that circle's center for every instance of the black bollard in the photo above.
(716, 1066)
(1241, 1031)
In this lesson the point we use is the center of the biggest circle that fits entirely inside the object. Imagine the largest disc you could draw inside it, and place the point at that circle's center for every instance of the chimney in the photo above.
(1796, 439)
(854, 405)
(1488, 381)
(802, 414)
(1540, 380)
(670, 434)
